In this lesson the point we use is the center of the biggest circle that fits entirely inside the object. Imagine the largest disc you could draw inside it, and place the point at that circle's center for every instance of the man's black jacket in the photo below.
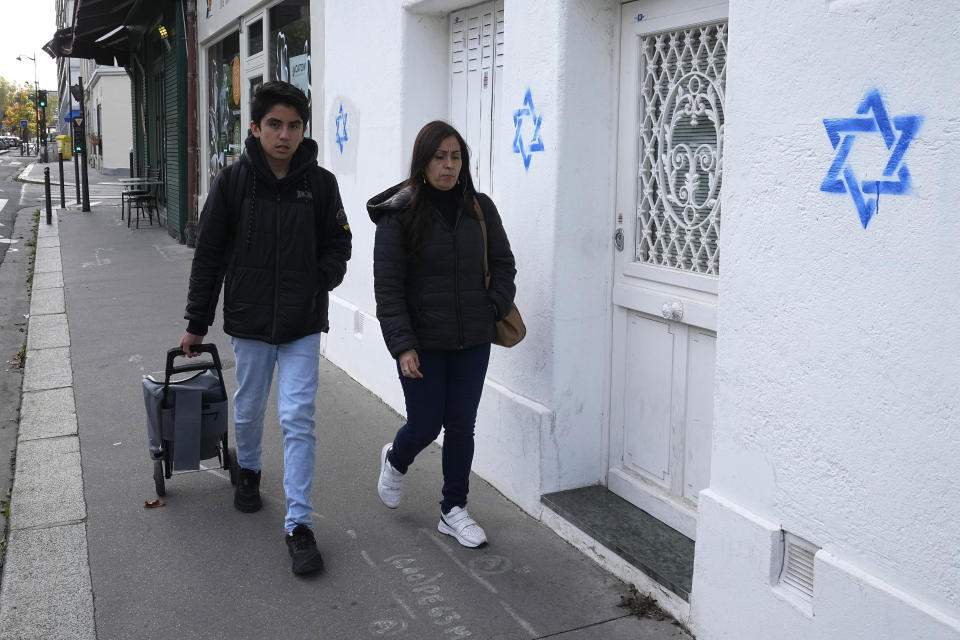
(277, 246)
(439, 302)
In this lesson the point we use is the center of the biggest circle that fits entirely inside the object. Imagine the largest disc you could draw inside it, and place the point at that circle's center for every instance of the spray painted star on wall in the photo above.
(528, 112)
(341, 128)
(897, 135)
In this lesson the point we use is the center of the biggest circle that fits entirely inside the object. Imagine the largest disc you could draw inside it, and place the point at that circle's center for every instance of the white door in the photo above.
(670, 152)
(476, 70)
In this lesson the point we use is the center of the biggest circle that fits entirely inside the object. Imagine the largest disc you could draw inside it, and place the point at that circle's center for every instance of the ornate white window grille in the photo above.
(682, 79)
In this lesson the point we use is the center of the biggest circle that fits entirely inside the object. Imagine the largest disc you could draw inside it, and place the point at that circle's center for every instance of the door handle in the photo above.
(672, 310)
(618, 239)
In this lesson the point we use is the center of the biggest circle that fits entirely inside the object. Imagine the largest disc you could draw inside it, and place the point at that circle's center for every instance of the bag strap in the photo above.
(238, 178)
(483, 230)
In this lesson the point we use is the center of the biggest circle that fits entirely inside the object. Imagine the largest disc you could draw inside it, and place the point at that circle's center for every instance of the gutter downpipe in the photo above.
(189, 8)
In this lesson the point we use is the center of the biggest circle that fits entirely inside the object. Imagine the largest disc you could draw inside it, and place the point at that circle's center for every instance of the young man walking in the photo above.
(273, 232)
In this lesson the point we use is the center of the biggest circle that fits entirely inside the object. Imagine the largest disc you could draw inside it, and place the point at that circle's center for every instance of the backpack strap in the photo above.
(237, 180)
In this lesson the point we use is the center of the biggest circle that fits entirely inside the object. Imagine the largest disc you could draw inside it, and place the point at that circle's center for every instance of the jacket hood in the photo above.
(394, 199)
(303, 159)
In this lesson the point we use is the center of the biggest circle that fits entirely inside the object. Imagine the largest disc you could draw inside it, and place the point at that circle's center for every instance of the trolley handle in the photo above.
(177, 352)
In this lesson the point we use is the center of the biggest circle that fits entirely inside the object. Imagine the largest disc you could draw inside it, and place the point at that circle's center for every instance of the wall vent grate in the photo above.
(796, 574)
(358, 323)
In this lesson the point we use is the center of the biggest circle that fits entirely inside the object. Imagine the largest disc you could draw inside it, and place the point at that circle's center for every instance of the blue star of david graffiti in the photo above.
(536, 142)
(842, 133)
(341, 130)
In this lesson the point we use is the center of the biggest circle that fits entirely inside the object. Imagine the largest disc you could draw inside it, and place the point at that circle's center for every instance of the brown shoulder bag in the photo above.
(510, 329)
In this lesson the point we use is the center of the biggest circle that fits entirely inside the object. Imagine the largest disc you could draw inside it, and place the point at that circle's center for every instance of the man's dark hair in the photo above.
(277, 92)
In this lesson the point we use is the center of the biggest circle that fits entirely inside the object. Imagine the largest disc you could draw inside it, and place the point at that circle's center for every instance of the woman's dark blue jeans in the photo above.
(447, 397)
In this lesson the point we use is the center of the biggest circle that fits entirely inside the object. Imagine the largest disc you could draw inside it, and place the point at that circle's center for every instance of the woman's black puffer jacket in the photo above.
(439, 301)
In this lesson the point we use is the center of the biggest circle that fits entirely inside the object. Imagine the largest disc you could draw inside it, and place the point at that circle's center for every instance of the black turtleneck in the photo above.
(447, 202)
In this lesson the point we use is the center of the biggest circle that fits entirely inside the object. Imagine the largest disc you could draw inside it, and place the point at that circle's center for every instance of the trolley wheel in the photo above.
(230, 463)
(158, 477)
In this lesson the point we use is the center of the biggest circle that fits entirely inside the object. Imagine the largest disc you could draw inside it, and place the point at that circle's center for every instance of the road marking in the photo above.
(403, 604)
(368, 559)
(520, 621)
(446, 549)
(99, 260)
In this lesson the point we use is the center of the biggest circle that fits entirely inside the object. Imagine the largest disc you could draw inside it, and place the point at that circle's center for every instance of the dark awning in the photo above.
(65, 45)
(93, 19)
(98, 33)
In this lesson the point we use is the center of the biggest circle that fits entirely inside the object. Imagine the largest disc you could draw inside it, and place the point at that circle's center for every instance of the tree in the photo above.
(11, 93)
(20, 111)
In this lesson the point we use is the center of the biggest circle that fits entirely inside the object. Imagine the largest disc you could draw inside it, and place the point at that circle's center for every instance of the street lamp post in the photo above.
(36, 94)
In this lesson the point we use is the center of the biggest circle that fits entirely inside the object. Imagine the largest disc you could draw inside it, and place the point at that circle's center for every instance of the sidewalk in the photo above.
(86, 560)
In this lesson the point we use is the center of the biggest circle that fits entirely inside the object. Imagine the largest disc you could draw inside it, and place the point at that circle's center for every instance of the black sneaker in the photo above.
(247, 496)
(303, 549)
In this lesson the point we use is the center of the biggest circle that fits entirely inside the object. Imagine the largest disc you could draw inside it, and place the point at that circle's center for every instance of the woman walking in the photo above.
(436, 313)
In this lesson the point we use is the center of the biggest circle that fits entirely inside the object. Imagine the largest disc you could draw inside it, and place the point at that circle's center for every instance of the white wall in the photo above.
(542, 418)
(836, 398)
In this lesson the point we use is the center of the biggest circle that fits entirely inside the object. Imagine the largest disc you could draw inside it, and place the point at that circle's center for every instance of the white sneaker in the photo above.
(390, 485)
(461, 526)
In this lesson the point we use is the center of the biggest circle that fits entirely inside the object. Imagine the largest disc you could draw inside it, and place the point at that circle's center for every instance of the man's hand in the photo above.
(188, 341)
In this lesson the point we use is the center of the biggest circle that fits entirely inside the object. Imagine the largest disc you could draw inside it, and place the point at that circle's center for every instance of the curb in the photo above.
(47, 590)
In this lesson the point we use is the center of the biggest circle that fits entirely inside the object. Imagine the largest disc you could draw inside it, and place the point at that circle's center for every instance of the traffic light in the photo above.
(43, 98)
(76, 146)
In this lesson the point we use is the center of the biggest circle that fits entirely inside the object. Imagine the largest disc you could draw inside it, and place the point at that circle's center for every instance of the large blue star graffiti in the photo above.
(536, 142)
(341, 128)
(897, 135)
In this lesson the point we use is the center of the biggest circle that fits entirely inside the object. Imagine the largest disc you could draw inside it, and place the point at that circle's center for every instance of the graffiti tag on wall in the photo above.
(343, 121)
(896, 134)
(341, 125)
(527, 113)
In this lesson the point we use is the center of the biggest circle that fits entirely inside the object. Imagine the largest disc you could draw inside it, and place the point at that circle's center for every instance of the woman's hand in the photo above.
(410, 364)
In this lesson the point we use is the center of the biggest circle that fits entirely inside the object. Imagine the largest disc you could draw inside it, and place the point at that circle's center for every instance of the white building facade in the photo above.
(109, 119)
(776, 402)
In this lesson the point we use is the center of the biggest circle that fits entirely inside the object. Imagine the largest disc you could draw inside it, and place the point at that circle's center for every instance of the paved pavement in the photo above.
(87, 560)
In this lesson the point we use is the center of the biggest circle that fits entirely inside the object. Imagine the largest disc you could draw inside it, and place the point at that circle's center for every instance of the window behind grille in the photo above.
(682, 79)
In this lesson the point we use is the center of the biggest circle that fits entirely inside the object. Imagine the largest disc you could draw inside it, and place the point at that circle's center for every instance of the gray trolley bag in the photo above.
(187, 417)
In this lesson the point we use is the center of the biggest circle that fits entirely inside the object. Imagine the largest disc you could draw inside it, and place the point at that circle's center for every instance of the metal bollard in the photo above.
(63, 199)
(76, 170)
(46, 187)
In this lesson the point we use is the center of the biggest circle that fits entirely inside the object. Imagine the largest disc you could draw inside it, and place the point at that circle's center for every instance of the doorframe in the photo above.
(251, 65)
(695, 291)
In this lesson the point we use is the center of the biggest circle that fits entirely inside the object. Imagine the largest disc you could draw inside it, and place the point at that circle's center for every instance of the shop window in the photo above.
(224, 126)
(289, 46)
(255, 38)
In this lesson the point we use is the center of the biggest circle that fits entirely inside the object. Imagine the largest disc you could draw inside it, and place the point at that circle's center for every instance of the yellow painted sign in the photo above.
(236, 80)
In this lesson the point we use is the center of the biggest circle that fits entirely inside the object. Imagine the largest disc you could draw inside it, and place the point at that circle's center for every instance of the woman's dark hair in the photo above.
(277, 92)
(417, 223)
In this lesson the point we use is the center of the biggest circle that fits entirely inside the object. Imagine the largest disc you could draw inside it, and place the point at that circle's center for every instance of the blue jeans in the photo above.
(447, 397)
(298, 372)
